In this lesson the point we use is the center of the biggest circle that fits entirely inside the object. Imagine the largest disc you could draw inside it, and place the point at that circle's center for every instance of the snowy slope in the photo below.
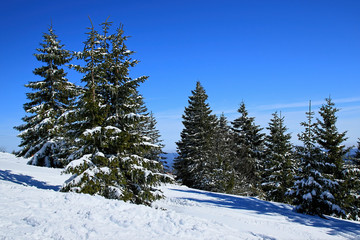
(31, 209)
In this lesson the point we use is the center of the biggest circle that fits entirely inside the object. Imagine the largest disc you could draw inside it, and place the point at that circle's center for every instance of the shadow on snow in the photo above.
(25, 180)
(335, 226)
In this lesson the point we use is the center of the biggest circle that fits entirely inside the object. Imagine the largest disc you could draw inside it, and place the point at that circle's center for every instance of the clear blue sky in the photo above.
(273, 55)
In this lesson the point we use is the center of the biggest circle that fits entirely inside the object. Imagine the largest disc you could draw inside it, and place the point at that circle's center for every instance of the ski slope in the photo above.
(32, 208)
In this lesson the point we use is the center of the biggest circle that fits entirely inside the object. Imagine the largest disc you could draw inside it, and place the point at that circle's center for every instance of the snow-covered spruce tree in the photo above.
(194, 164)
(109, 158)
(331, 144)
(42, 134)
(357, 153)
(223, 156)
(278, 170)
(153, 136)
(354, 187)
(147, 128)
(248, 146)
(351, 184)
(309, 193)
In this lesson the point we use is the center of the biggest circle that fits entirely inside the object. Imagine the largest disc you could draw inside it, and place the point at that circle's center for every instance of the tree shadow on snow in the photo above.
(25, 180)
(335, 226)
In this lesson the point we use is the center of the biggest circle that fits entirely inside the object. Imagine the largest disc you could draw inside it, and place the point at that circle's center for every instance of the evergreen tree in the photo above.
(42, 134)
(223, 173)
(147, 128)
(354, 187)
(331, 144)
(279, 161)
(357, 154)
(91, 109)
(248, 146)
(309, 192)
(154, 138)
(330, 140)
(111, 147)
(351, 186)
(193, 166)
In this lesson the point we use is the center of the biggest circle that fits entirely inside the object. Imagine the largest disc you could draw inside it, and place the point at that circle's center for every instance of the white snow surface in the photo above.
(32, 208)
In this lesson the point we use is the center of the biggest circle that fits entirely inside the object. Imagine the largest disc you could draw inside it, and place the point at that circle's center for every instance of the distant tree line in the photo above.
(319, 177)
(101, 132)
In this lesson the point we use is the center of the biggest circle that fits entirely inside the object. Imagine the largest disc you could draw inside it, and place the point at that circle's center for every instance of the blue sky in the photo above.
(273, 55)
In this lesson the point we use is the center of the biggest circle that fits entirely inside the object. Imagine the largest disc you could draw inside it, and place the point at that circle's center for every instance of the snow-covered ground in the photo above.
(31, 208)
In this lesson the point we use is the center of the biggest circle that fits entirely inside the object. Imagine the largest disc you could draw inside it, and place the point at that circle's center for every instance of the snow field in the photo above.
(31, 208)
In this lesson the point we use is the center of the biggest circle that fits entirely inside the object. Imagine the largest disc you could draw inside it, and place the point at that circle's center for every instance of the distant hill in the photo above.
(170, 159)
(353, 151)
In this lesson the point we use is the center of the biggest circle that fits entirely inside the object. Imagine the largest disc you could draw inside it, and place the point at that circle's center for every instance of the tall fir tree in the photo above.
(91, 109)
(248, 146)
(353, 187)
(223, 157)
(42, 135)
(351, 204)
(331, 144)
(147, 128)
(111, 147)
(279, 161)
(153, 136)
(193, 165)
(309, 193)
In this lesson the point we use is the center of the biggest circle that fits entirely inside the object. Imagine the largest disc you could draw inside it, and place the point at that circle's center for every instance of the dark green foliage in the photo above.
(247, 146)
(194, 164)
(279, 161)
(222, 158)
(357, 154)
(152, 135)
(351, 186)
(42, 134)
(110, 126)
(351, 199)
(334, 152)
(354, 187)
(330, 140)
(309, 192)
(323, 185)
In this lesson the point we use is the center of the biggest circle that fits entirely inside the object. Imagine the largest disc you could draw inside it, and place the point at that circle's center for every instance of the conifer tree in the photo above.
(193, 166)
(109, 159)
(351, 184)
(353, 187)
(153, 136)
(147, 128)
(330, 140)
(309, 192)
(91, 108)
(331, 144)
(248, 146)
(357, 153)
(223, 156)
(279, 161)
(42, 134)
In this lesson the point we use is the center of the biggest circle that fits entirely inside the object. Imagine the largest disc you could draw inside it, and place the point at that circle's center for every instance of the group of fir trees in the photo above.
(319, 187)
(217, 157)
(102, 132)
(240, 159)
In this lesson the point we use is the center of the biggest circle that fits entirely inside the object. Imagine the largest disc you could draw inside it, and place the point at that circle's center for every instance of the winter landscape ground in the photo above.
(32, 208)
